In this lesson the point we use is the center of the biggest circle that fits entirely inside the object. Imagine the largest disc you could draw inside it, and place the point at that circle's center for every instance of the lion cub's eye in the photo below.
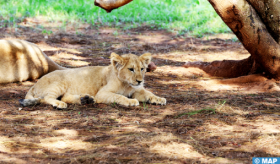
(131, 69)
(142, 69)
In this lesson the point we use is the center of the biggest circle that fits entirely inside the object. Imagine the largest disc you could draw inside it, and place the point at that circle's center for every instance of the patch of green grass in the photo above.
(145, 107)
(209, 110)
(47, 32)
(195, 17)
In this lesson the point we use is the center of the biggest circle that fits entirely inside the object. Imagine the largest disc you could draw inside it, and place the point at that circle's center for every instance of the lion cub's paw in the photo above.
(157, 100)
(59, 105)
(87, 100)
(131, 102)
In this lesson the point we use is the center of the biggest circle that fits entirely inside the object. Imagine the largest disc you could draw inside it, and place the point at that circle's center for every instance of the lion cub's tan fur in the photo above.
(106, 84)
(21, 60)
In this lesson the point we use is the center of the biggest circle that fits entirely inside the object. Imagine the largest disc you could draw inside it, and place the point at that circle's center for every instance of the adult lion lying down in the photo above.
(105, 84)
(21, 60)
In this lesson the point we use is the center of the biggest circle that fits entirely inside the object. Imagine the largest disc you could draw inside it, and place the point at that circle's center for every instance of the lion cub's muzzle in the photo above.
(139, 82)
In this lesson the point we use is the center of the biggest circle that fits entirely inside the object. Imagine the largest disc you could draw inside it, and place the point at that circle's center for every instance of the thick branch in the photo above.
(248, 27)
(110, 5)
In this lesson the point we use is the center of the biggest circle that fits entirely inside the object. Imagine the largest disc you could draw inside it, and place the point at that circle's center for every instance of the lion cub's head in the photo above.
(130, 68)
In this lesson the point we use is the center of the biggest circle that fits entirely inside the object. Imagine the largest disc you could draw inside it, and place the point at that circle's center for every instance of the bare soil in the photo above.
(206, 120)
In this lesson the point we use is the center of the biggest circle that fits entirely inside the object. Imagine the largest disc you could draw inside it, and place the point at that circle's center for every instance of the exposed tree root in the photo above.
(225, 68)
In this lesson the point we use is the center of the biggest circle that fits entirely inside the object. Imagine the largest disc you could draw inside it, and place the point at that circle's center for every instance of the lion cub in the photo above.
(105, 84)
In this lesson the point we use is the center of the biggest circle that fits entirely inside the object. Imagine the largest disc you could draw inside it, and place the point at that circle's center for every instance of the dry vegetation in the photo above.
(206, 119)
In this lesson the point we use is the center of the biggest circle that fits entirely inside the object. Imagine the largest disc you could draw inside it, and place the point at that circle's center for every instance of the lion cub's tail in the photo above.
(30, 100)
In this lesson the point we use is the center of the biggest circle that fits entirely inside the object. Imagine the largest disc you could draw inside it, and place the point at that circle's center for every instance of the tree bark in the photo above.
(269, 11)
(110, 5)
(246, 24)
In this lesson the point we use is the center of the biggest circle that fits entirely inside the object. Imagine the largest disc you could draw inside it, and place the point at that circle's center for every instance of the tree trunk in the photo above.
(254, 28)
(110, 5)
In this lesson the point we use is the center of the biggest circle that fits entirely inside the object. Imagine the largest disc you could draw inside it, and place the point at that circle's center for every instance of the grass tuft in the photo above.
(208, 110)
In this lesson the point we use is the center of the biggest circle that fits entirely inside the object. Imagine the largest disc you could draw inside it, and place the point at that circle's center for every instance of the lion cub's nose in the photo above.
(139, 82)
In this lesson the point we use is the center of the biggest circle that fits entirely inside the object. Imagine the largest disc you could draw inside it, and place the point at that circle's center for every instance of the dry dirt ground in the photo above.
(206, 119)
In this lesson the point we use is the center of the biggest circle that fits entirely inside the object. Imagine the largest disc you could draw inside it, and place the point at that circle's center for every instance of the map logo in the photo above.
(266, 160)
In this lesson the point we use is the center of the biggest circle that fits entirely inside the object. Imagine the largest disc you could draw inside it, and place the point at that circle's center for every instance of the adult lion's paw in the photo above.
(87, 100)
(130, 102)
(157, 100)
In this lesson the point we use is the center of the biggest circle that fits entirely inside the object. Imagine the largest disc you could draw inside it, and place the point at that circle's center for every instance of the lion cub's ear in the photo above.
(116, 60)
(146, 58)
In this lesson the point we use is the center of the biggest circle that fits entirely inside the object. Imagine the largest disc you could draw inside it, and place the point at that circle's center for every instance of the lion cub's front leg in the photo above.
(144, 95)
(110, 97)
